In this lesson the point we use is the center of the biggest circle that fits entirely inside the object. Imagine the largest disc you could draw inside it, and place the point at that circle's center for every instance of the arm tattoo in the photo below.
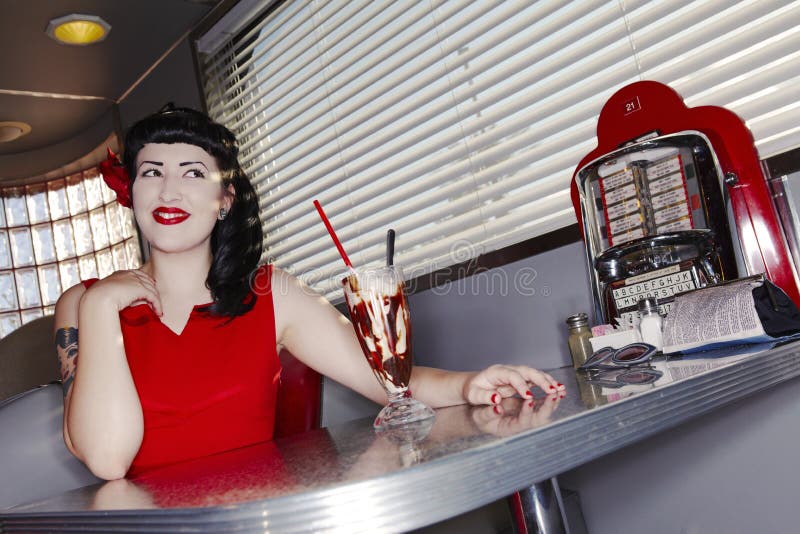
(67, 348)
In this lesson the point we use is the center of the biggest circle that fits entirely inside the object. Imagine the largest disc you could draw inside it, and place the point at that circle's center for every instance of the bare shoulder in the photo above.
(290, 290)
(66, 313)
(279, 275)
(297, 306)
(282, 287)
(71, 296)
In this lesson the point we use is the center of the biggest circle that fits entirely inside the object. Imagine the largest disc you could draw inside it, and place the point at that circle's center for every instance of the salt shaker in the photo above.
(650, 322)
(579, 333)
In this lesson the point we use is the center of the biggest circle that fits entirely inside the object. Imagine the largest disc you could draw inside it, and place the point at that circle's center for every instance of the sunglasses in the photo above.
(627, 356)
(617, 378)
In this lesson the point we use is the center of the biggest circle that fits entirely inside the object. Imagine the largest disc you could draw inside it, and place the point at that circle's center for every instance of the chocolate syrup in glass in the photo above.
(377, 320)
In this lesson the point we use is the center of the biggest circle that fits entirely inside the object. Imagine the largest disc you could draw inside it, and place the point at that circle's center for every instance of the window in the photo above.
(55, 234)
(459, 124)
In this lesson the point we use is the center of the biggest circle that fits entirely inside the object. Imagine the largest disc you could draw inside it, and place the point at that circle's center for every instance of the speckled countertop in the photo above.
(352, 479)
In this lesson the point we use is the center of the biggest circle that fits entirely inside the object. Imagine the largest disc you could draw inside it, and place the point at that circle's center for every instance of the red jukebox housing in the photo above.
(672, 199)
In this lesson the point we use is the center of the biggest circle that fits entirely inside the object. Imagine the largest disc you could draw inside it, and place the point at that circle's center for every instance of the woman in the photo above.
(178, 359)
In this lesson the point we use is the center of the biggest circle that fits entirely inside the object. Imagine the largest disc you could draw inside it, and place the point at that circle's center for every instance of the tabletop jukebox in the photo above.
(672, 199)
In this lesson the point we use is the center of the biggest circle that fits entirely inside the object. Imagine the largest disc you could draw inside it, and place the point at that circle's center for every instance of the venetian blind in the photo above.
(459, 124)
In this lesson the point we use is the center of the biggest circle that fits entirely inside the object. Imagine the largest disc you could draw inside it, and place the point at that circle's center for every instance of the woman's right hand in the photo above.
(127, 288)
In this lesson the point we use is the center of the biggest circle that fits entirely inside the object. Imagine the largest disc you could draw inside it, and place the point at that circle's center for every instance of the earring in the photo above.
(222, 214)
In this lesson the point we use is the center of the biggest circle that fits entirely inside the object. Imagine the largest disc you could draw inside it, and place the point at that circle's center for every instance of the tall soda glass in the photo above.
(379, 312)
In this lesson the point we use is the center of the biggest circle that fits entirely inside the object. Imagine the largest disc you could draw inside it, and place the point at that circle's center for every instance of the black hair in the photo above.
(235, 240)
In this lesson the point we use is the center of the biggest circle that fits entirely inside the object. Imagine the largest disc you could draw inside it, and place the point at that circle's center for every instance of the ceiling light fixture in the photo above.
(78, 30)
(11, 131)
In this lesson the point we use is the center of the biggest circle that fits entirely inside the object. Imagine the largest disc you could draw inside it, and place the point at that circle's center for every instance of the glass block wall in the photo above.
(55, 234)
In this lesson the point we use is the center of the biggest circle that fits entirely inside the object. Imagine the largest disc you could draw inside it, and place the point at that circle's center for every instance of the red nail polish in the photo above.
(560, 384)
(494, 398)
(562, 396)
(496, 409)
(552, 386)
(554, 399)
(530, 404)
(528, 393)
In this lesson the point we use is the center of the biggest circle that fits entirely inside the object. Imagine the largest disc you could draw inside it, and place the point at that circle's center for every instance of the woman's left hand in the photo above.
(498, 382)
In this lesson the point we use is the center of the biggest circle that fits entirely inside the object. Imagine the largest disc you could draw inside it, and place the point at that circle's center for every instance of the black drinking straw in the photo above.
(390, 247)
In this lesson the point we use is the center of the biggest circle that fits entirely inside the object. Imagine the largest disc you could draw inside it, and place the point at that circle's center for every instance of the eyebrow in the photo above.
(152, 163)
(181, 164)
(185, 163)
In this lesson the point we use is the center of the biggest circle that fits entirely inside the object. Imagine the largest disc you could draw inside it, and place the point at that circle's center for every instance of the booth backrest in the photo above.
(299, 405)
(28, 357)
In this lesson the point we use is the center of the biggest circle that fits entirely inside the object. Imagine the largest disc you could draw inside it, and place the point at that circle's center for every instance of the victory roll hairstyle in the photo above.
(236, 241)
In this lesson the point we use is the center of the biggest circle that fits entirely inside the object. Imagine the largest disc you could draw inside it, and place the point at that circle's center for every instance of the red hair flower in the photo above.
(116, 177)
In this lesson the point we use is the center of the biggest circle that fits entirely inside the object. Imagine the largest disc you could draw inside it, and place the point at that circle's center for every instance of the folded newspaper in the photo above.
(749, 310)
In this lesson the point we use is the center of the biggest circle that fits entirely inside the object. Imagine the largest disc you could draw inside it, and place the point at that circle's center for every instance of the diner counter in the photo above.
(352, 479)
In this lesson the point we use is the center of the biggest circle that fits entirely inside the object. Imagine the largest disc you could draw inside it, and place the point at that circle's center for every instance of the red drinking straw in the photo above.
(333, 234)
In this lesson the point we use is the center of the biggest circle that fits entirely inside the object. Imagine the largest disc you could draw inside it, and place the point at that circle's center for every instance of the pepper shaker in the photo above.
(579, 333)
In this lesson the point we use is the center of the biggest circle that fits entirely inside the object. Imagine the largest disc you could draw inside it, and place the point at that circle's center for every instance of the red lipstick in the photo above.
(164, 215)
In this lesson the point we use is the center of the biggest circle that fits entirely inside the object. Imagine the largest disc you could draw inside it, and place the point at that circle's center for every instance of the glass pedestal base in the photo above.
(401, 411)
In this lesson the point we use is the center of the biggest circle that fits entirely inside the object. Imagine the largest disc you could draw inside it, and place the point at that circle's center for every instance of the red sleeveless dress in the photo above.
(209, 389)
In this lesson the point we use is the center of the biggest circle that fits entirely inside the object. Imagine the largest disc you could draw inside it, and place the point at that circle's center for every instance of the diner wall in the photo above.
(511, 314)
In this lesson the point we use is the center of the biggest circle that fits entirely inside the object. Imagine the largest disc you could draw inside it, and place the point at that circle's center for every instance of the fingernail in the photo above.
(560, 384)
(528, 393)
(562, 396)
(530, 404)
(497, 409)
(494, 398)
(552, 386)
(555, 399)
